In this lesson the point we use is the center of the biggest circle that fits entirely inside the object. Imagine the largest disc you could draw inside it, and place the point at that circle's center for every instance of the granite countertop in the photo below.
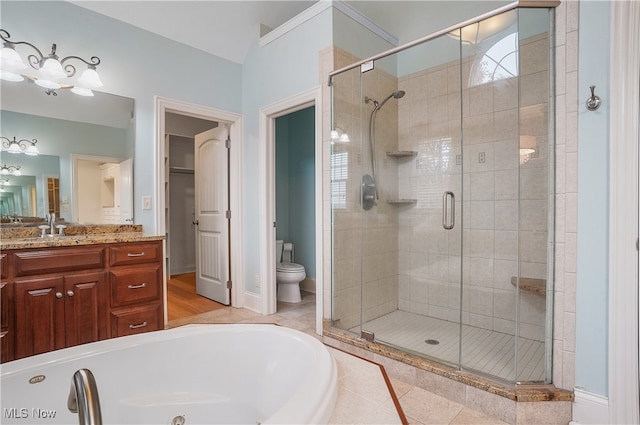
(29, 237)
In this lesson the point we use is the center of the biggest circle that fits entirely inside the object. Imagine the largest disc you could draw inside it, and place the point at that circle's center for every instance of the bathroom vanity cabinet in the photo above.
(59, 297)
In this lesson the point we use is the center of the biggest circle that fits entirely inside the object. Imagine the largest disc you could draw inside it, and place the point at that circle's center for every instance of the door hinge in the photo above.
(229, 284)
(228, 214)
(227, 143)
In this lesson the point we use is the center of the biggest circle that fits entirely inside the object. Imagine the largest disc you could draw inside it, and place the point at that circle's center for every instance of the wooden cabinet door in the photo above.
(39, 316)
(7, 332)
(86, 314)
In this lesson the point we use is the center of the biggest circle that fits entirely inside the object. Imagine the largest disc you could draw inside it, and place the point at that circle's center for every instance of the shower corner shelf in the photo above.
(528, 284)
(401, 201)
(402, 154)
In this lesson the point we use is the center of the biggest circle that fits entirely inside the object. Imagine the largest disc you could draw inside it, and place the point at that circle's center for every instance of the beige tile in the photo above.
(491, 404)
(369, 385)
(429, 408)
(381, 416)
(400, 387)
(350, 407)
(544, 412)
(473, 417)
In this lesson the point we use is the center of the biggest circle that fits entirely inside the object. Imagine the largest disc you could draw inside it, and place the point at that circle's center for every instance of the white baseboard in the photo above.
(253, 302)
(589, 408)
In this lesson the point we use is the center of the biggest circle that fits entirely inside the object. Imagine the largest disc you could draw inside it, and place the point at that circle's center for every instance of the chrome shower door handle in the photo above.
(448, 214)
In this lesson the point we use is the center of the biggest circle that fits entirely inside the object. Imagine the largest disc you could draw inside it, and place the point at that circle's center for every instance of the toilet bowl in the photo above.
(288, 276)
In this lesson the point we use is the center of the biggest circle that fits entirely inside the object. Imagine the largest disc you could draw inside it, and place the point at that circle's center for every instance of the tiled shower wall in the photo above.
(504, 206)
(566, 138)
(364, 242)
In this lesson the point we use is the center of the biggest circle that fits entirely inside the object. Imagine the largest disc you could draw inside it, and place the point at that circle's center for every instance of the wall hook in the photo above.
(593, 102)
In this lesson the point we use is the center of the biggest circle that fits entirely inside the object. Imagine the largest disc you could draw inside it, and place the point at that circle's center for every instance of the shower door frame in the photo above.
(366, 63)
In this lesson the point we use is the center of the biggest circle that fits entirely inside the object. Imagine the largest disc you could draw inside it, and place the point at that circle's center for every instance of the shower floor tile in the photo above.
(483, 350)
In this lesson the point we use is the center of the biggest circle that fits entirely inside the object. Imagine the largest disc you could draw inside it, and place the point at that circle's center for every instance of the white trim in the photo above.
(164, 105)
(363, 20)
(589, 408)
(317, 9)
(252, 302)
(623, 259)
(74, 158)
(268, 114)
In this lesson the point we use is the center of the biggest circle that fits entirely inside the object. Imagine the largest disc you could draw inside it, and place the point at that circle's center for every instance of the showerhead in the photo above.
(396, 95)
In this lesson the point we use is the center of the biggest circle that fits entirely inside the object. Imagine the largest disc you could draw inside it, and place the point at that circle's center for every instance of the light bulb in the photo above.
(10, 60)
(51, 69)
(32, 150)
(344, 138)
(82, 91)
(90, 79)
(17, 172)
(10, 76)
(335, 135)
(14, 148)
(47, 84)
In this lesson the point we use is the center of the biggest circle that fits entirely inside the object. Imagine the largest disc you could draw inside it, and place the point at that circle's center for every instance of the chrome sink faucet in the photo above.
(52, 222)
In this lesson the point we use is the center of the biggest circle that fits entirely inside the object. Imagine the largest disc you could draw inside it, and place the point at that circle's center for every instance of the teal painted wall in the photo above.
(295, 185)
(134, 64)
(283, 68)
(593, 201)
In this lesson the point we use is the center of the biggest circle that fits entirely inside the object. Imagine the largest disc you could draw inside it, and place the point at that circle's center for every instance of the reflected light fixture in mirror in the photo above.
(10, 169)
(53, 73)
(478, 32)
(338, 136)
(19, 146)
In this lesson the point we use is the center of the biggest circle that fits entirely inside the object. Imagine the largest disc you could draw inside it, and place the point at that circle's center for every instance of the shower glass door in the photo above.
(412, 259)
(442, 197)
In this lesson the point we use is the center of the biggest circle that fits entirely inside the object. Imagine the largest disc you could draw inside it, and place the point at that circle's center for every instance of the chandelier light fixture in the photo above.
(18, 146)
(10, 170)
(53, 73)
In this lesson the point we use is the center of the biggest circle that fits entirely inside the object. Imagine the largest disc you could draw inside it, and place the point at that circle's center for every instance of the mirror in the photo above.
(86, 155)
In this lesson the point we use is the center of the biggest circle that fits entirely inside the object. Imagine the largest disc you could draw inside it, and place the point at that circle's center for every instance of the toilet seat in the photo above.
(289, 268)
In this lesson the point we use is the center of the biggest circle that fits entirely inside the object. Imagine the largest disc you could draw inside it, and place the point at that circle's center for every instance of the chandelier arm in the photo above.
(4, 35)
(94, 61)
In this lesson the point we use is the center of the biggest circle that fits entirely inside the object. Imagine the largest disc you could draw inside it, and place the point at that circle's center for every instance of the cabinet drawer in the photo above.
(43, 261)
(136, 320)
(135, 284)
(135, 253)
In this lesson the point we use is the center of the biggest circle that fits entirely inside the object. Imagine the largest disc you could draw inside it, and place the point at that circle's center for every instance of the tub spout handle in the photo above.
(83, 398)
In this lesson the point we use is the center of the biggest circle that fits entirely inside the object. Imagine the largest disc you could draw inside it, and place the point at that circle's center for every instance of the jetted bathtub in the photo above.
(195, 374)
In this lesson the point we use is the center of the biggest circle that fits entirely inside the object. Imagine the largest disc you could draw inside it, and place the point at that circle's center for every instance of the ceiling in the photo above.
(226, 28)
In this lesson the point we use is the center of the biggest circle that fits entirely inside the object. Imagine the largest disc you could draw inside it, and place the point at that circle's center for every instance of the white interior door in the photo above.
(211, 205)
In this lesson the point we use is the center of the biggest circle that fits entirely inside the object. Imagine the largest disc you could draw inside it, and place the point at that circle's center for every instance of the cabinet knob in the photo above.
(70, 293)
(58, 294)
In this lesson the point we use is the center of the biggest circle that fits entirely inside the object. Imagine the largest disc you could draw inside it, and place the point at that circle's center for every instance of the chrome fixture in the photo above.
(372, 145)
(594, 101)
(18, 146)
(52, 72)
(10, 169)
(83, 398)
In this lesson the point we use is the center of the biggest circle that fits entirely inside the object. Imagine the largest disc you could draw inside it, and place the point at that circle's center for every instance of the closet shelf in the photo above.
(402, 154)
(401, 201)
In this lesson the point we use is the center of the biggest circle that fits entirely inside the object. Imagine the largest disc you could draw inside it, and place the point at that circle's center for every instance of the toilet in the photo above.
(288, 274)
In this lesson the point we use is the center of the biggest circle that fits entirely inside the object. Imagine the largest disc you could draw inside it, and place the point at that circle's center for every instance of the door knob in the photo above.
(58, 294)
(70, 293)
(195, 222)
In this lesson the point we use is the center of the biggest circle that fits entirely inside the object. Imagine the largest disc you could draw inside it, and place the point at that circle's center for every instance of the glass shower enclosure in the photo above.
(442, 177)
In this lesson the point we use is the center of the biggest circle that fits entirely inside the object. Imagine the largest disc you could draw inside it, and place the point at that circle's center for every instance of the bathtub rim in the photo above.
(319, 387)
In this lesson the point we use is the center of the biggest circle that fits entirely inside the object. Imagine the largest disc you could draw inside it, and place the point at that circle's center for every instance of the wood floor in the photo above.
(182, 300)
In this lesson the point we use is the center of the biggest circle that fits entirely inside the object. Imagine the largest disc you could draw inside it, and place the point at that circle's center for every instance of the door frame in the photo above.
(74, 157)
(164, 105)
(268, 115)
(624, 356)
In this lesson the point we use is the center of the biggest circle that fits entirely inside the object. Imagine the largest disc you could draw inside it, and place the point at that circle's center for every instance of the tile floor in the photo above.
(363, 396)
